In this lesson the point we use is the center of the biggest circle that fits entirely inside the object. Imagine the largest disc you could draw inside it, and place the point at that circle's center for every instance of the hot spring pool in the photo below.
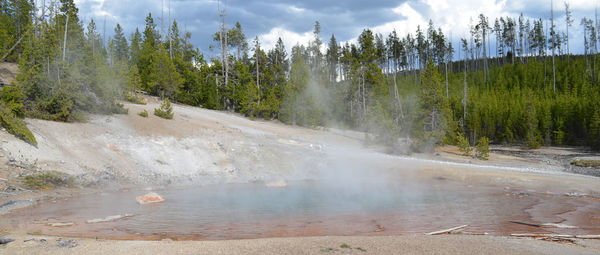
(308, 208)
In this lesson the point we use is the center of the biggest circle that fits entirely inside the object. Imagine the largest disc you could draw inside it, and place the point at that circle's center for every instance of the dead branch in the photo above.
(446, 230)
(12, 48)
(525, 223)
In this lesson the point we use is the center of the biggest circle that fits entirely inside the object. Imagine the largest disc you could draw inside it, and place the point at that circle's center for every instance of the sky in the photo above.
(293, 21)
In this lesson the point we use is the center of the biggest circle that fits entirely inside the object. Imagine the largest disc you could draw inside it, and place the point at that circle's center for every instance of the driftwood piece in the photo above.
(525, 223)
(446, 230)
(470, 233)
(558, 225)
(61, 224)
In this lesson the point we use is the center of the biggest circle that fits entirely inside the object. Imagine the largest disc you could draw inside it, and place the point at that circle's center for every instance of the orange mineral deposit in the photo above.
(149, 198)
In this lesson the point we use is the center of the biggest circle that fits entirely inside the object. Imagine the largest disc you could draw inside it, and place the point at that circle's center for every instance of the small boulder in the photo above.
(6, 240)
(149, 198)
(66, 243)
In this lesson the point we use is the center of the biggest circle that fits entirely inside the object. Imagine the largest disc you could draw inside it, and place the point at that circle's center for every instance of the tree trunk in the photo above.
(65, 38)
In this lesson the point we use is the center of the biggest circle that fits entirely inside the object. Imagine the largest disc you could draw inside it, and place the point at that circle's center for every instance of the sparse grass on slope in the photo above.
(586, 163)
(47, 180)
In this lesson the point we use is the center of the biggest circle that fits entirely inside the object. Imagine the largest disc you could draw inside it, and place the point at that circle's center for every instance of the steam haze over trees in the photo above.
(511, 78)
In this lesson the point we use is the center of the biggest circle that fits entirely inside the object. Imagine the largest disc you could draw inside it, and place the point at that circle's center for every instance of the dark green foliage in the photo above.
(12, 97)
(165, 111)
(434, 117)
(47, 180)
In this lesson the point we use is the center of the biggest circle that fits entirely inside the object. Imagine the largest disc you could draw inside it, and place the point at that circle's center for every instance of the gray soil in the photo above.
(410, 244)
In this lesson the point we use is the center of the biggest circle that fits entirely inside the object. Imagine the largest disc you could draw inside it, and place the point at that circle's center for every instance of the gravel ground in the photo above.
(410, 244)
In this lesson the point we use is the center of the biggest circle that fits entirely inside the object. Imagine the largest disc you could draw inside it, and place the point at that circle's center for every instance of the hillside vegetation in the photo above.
(528, 89)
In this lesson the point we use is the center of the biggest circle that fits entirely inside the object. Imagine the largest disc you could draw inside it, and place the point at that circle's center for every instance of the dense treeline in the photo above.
(401, 89)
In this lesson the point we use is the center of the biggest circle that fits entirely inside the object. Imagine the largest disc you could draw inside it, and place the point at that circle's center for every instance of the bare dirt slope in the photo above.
(8, 72)
(197, 146)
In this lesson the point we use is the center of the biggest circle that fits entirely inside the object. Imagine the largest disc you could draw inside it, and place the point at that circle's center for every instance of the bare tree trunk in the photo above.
(170, 40)
(553, 47)
(397, 96)
(258, 78)
(464, 101)
(446, 67)
(485, 71)
(65, 38)
(363, 96)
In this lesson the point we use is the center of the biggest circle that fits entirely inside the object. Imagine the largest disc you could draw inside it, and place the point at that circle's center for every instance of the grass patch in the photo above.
(329, 249)
(143, 113)
(587, 163)
(47, 180)
(134, 98)
(16, 126)
(360, 249)
(345, 246)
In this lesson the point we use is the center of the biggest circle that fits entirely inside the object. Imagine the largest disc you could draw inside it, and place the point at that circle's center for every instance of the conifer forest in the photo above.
(512, 80)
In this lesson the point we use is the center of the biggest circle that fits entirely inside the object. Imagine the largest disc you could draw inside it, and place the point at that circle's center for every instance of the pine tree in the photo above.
(434, 115)
(120, 42)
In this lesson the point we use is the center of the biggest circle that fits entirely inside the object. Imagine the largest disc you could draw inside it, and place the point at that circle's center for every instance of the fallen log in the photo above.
(470, 233)
(558, 225)
(525, 223)
(446, 230)
(61, 224)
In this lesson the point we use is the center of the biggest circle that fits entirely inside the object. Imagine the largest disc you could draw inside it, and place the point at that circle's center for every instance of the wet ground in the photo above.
(311, 208)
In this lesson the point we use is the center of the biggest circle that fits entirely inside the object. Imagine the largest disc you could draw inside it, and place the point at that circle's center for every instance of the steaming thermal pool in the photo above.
(307, 208)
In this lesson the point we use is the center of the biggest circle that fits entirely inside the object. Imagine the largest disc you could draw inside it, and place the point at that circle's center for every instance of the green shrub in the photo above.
(15, 126)
(12, 97)
(463, 145)
(47, 180)
(483, 148)
(165, 111)
(143, 113)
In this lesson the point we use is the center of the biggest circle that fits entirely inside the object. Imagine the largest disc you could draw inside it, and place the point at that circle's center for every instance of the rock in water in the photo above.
(67, 243)
(6, 240)
(149, 198)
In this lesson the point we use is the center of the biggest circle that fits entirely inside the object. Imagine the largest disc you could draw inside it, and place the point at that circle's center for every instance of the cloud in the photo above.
(293, 20)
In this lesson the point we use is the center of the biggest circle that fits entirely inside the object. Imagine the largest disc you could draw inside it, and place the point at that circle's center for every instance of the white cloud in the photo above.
(296, 9)
(289, 38)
